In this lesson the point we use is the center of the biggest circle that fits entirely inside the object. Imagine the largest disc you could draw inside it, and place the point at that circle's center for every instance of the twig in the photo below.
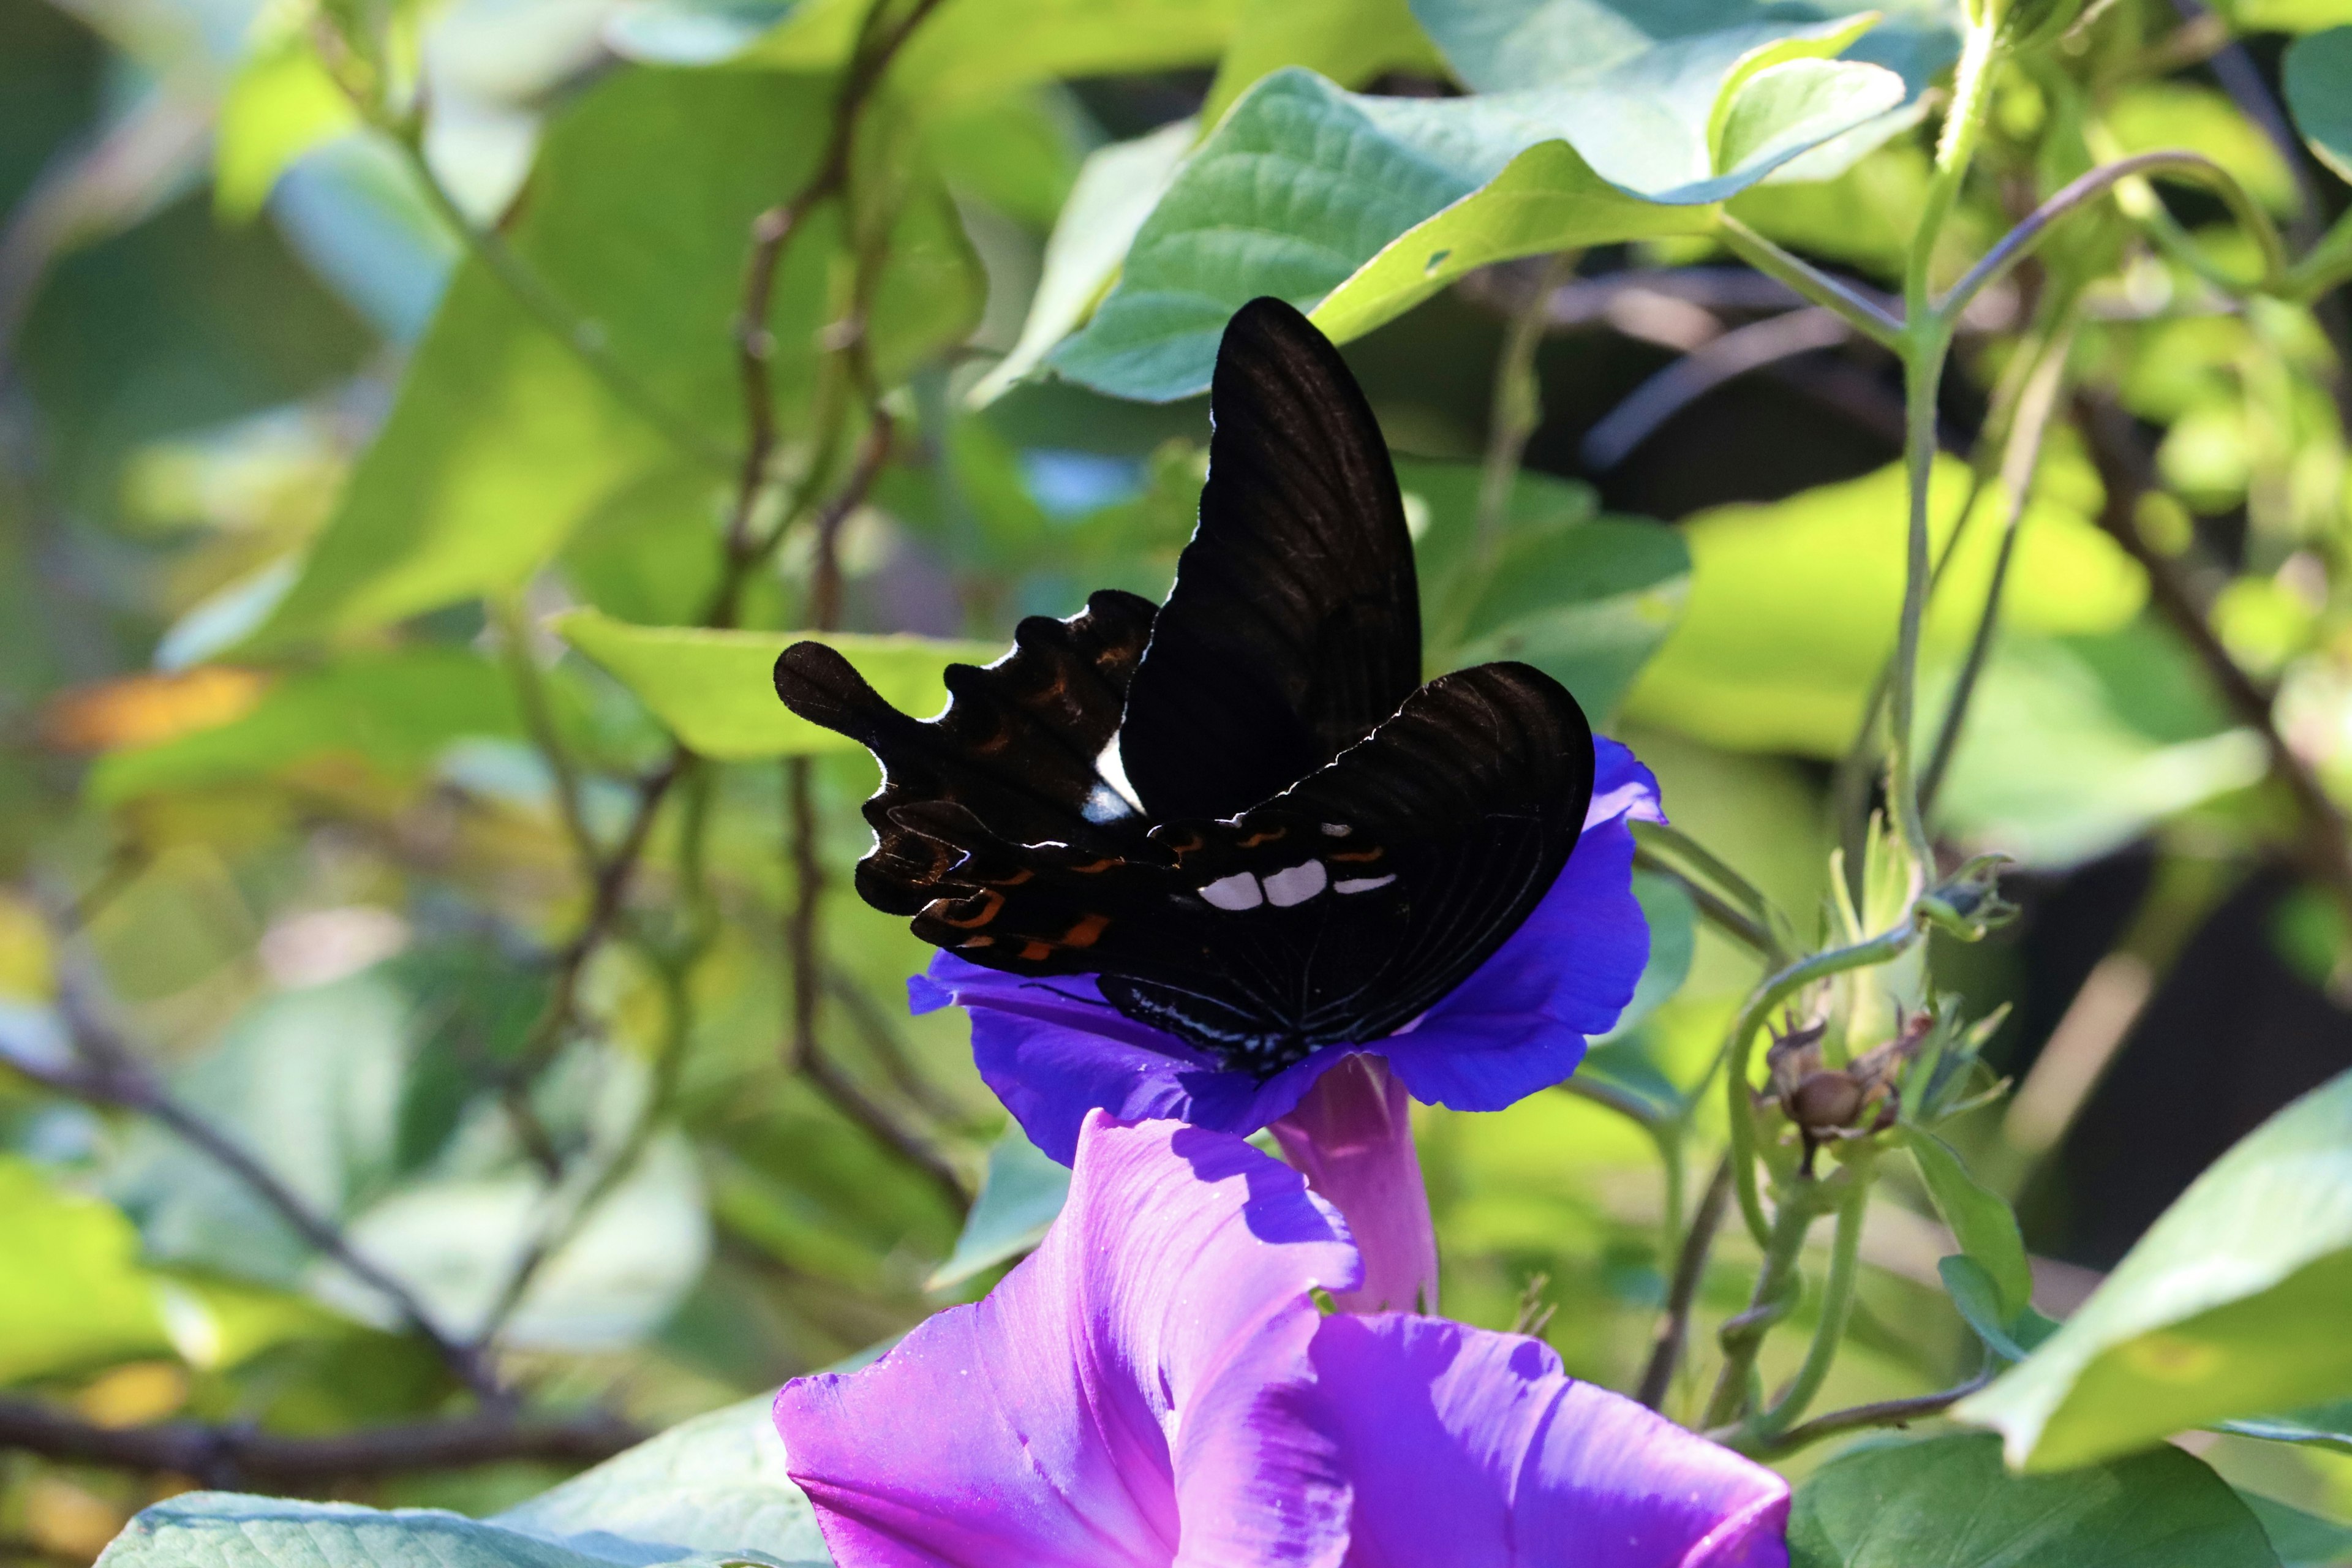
(2123, 470)
(107, 1072)
(1733, 922)
(2021, 461)
(1861, 1417)
(1679, 385)
(888, 1049)
(1690, 1267)
(232, 1456)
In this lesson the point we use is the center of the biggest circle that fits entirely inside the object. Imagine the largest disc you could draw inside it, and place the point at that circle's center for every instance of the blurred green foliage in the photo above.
(394, 796)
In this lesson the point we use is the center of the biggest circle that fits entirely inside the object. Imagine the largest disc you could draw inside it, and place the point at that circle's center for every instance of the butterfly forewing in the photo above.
(1295, 624)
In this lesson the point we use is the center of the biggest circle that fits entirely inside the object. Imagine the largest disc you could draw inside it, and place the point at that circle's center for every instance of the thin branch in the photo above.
(1687, 380)
(234, 1456)
(2021, 461)
(1733, 922)
(1682, 1295)
(888, 1049)
(539, 718)
(1865, 314)
(1862, 1418)
(107, 1072)
(2124, 471)
(2027, 236)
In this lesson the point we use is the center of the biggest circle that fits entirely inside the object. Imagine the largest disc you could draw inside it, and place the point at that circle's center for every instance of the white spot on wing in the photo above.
(1113, 769)
(1297, 885)
(1362, 884)
(1238, 891)
(1337, 829)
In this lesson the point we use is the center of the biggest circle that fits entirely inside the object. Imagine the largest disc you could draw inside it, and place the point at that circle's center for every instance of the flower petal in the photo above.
(1352, 1136)
(1520, 1022)
(1034, 1429)
(1470, 1446)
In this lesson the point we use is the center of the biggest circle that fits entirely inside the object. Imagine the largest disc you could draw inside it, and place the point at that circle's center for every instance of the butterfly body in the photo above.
(1241, 810)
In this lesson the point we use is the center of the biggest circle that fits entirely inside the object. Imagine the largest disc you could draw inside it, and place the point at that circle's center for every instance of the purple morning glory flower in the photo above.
(1156, 1386)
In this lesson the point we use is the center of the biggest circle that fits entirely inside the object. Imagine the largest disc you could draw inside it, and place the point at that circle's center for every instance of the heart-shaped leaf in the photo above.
(2232, 1305)
(1948, 1502)
(715, 691)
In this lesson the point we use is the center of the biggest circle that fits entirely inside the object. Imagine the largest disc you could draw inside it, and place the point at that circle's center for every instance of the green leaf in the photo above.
(716, 692)
(708, 1490)
(280, 104)
(1115, 191)
(1306, 191)
(1947, 1502)
(1023, 1191)
(2010, 1335)
(1978, 1216)
(503, 439)
(2323, 1426)
(1586, 604)
(2301, 1539)
(1672, 919)
(1793, 604)
(73, 1295)
(2317, 75)
(981, 48)
(1348, 41)
(1585, 598)
(2230, 1306)
(714, 1485)
(393, 711)
(2058, 763)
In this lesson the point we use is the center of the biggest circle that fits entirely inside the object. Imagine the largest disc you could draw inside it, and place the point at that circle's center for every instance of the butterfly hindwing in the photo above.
(1016, 747)
(1337, 911)
(1295, 624)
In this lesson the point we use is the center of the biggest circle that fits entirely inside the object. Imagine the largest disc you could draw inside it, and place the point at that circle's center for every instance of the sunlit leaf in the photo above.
(1947, 1502)
(1023, 1191)
(2231, 1305)
(1348, 41)
(717, 690)
(73, 1295)
(1793, 604)
(982, 47)
(638, 223)
(281, 104)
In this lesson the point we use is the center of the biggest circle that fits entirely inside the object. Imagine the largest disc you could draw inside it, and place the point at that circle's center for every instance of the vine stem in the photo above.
(1778, 1284)
(2027, 236)
(2020, 458)
(1860, 312)
(1682, 1294)
(1837, 1303)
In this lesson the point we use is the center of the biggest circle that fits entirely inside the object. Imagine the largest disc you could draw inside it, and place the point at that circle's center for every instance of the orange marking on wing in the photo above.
(1374, 853)
(977, 942)
(995, 902)
(1254, 839)
(1036, 950)
(1084, 933)
(1093, 866)
(1015, 880)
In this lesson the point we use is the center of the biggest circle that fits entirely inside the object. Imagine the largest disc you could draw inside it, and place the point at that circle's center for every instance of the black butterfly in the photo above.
(1241, 809)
